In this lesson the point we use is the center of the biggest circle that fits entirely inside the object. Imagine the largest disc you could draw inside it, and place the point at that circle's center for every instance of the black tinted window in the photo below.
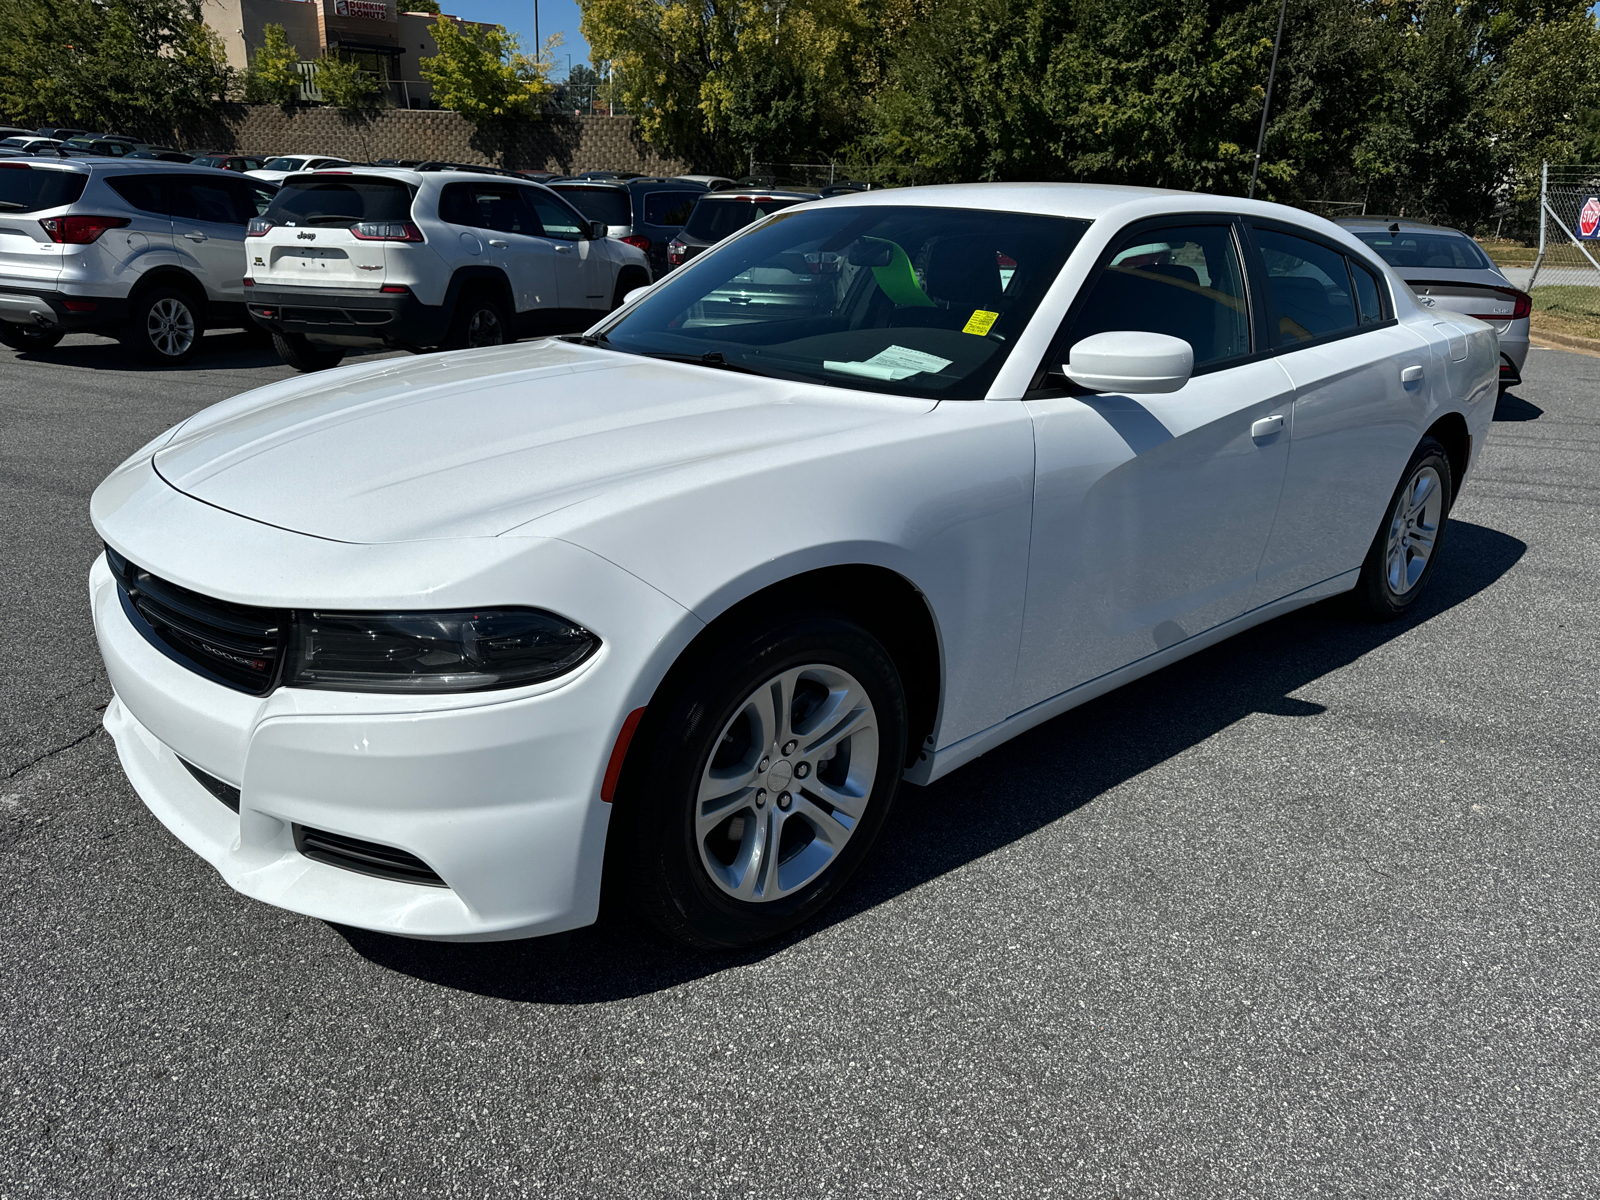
(493, 206)
(142, 191)
(716, 219)
(1368, 296)
(1309, 287)
(30, 189)
(1186, 283)
(669, 208)
(339, 201)
(610, 205)
(211, 198)
(1426, 248)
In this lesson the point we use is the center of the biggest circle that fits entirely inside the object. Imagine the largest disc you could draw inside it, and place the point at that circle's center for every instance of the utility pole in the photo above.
(538, 46)
(1266, 105)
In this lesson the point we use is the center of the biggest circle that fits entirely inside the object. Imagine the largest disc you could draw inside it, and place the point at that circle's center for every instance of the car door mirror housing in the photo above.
(634, 295)
(1130, 361)
(597, 230)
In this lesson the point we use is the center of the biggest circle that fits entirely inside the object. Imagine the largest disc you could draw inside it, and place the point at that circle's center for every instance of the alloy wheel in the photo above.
(787, 783)
(485, 329)
(170, 327)
(1414, 530)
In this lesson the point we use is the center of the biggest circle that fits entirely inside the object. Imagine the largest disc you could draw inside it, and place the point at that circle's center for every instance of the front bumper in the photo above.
(497, 793)
(46, 308)
(348, 316)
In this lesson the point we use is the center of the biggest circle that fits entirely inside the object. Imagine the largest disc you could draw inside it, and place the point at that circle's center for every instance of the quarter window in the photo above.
(1185, 282)
(1369, 300)
(1309, 286)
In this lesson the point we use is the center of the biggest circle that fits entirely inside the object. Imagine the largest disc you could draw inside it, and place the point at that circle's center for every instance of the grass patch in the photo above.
(1572, 310)
(1508, 253)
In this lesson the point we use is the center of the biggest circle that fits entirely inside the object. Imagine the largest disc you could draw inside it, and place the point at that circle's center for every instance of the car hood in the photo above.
(475, 443)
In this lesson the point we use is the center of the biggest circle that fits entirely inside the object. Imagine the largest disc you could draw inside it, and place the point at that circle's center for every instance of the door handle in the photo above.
(1411, 375)
(563, 249)
(194, 235)
(1267, 426)
(499, 242)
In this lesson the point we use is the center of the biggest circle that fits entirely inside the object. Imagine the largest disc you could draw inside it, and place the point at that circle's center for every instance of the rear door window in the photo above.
(493, 206)
(1309, 287)
(33, 189)
(143, 192)
(339, 200)
(611, 205)
(208, 198)
(1184, 282)
(669, 208)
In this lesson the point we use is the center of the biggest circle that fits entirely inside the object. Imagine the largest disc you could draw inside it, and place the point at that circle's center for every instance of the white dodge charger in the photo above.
(446, 646)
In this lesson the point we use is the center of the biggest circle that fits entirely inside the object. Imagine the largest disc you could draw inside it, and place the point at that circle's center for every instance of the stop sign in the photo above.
(1589, 218)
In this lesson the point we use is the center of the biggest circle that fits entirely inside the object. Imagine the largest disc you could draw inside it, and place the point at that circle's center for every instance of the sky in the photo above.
(555, 16)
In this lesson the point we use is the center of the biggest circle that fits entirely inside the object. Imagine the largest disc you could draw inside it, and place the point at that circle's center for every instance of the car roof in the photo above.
(108, 163)
(755, 193)
(417, 178)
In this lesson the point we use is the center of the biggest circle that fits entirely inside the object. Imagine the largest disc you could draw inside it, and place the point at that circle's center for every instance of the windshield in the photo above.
(282, 164)
(610, 205)
(310, 200)
(909, 301)
(716, 219)
(1418, 248)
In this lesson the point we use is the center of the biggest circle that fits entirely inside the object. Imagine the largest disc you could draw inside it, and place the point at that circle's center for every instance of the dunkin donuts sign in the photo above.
(372, 10)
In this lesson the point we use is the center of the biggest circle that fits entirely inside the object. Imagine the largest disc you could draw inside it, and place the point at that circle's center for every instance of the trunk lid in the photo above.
(312, 239)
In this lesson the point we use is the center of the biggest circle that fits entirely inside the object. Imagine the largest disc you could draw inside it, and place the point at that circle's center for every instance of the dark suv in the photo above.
(720, 214)
(646, 212)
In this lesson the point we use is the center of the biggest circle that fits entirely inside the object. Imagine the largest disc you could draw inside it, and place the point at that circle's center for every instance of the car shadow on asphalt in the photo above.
(1038, 778)
(1512, 407)
(236, 350)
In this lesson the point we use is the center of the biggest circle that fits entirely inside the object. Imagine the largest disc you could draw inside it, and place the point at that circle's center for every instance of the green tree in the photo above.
(1547, 97)
(343, 84)
(274, 75)
(422, 6)
(108, 63)
(481, 72)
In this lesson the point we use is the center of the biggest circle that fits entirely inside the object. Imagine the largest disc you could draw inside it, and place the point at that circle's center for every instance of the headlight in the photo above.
(433, 652)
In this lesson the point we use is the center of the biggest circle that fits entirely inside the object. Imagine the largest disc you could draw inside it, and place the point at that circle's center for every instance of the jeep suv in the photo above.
(420, 260)
(150, 252)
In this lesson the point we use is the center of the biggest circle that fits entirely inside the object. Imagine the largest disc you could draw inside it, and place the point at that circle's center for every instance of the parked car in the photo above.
(158, 155)
(426, 259)
(712, 183)
(721, 214)
(1451, 273)
(11, 131)
(646, 212)
(678, 603)
(275, 170)
(844, 187)
(29, 143)
(62, 134)
(542, 176)
(231, 162)
(150, 252)
(108, 147)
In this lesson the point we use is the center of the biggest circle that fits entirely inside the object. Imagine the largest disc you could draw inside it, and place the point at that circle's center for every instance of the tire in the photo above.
(626, 282)
(480, 320)
(710, 792)
(29, 337)
(1406, 548)
(305, 355)
(165, 326)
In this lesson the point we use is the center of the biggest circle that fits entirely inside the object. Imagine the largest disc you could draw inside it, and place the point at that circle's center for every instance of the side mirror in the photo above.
(597, 230)
(1130, 361)
(634, 295)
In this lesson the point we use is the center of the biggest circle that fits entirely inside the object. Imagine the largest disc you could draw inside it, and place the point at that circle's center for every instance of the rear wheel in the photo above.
(627, 282)
(479, 321)
(165, 326)
(764, 780)
(301, 353)
(29, 337)
(1404, 552)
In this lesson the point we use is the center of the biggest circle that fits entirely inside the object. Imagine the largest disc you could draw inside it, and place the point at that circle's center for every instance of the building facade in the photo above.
(374, 34)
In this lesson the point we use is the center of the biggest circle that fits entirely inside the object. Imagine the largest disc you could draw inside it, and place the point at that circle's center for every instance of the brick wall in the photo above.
(560, 142)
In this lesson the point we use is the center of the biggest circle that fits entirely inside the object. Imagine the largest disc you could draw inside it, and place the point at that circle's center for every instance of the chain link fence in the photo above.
(1565, 280)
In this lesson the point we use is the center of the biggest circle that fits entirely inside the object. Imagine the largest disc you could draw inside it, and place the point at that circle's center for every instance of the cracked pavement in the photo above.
(1313, 913)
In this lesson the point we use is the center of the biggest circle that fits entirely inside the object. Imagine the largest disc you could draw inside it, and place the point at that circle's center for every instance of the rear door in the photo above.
(28, 258)
(1360, 401)
(508, 235)
(314, 241)
(209, 215)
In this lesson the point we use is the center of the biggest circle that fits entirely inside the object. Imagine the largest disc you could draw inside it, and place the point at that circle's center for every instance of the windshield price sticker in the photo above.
(980, 322)
(897, 362)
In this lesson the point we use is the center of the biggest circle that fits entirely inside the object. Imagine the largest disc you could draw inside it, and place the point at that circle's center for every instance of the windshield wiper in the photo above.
(711, 358)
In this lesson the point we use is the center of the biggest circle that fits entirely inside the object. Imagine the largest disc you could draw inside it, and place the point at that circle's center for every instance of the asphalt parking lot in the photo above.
(1314, 913)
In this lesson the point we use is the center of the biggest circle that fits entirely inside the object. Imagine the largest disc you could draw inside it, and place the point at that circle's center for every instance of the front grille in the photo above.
(368, 858)
(225, 792)
(233, 644)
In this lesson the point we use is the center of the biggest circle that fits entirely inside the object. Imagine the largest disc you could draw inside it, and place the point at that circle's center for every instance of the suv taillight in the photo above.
(1521, 306)
(676, 252)
(642, 243)
(257, 227)
(79, 231)
(386, 231)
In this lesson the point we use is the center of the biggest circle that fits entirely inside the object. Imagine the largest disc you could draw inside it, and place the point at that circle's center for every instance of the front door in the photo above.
(583, 270)
(1151, 512)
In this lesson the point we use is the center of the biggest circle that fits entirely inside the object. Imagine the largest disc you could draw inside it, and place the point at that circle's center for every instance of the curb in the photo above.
(1566, 341)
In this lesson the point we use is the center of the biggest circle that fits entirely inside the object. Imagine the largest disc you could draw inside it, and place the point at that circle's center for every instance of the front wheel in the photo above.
(1402, 556)
(29, 337)
(765, 779)
(301, 353)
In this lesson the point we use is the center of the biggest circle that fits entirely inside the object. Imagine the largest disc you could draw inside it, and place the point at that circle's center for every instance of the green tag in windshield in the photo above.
(899, 279)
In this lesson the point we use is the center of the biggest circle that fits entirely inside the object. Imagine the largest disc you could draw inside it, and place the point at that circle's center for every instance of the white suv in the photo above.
(425, 260)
